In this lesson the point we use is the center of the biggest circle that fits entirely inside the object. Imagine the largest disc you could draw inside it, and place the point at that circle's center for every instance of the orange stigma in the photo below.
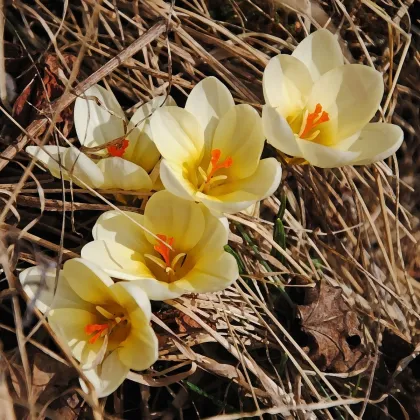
(118, 149)
(214, 162)
(99, 329)
(312, 120)
(163, 249)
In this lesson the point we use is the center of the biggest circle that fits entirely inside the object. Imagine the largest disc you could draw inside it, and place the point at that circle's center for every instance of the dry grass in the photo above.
(240, 353)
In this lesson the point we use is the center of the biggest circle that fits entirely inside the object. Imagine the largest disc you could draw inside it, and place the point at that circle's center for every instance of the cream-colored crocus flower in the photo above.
(188, 258)
(106, 326)
(212, 150)
(123, 164)
(317, 108)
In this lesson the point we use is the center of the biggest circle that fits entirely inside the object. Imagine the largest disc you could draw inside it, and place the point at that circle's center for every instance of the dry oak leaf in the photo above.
(333, 329)
(37, 95)
(50, 381)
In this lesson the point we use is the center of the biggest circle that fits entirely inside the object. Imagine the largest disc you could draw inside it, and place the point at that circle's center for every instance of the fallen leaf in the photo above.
(179, 323)
(50, 380)
(37, 93)
(335, 338)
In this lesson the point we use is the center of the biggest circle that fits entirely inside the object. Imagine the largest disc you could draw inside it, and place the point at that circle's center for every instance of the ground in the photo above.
(324, 320)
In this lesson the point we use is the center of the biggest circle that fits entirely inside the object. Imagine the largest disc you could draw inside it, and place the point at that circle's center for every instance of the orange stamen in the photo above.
(314, 118)
(163, 249)
(215, 165)
(98, 328)
(118, 149)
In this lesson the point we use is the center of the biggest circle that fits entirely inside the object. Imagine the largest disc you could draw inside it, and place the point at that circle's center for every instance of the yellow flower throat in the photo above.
(215, 165)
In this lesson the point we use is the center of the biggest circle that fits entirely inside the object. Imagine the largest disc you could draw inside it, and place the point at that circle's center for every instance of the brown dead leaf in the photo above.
(50, 380)
(179, 323)
(335, 337)
(38, 94)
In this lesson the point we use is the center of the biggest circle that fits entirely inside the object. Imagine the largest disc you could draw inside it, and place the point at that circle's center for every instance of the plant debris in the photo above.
(336, 341)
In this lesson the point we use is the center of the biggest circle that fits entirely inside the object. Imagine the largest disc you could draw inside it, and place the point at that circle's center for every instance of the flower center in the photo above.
(119, 148)
(166, 262)
(214, 165)
(312, 120)
(101, 330)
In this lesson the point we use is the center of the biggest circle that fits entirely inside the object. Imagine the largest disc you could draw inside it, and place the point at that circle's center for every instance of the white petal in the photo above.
(142, 149)
(211, 274)
(49, 156)
(10, 88)
(377, 141)
(324, 156)
(172, 216)
(278, 132)
(82, 168)
(94, 124)
(41, 284)
(172, 177)
(177, 134)
(209, 100)
(121, 173)
(236, 196)
(107, 377)
(320, 52)
(117, 260)
(286, 84)
(240, 136)
(115, 226)
(351, 94)
(88, 281)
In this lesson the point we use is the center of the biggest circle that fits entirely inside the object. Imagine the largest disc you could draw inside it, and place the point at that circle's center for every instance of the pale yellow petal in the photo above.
(278, 132)
(211, 274)
(215, 235)
(324, 156)
(236, 196)
(320, 52)
(134, 300)
(121, 173)
(69, 325)
(173, 179)
(286, 84)
(177, 134)
(88, 280)
(240, 136)
(81, 168)
(116, 226)
(140, 350)
(172, 216)
(49, 291)
(98, 124)
(107, 377)
(49, 156)
(159, 290)
(142, 149)
(209, 100)
(117, 260)
(377, 141)
(351, 94)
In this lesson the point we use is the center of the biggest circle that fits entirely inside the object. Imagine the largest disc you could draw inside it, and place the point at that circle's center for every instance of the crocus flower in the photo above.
(186, 256)
(106, 326)
(128, 158)
(211, 150)
(318, 108)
